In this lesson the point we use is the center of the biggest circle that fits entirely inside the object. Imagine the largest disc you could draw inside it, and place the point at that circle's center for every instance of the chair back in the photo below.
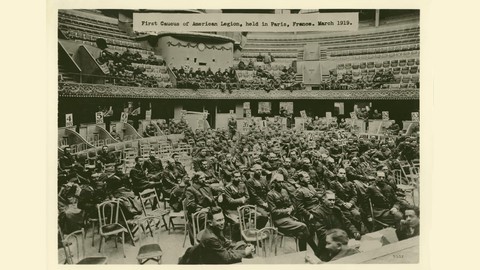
(199, 223)
(184, 206)
(146, 227)
(148, 196)
(268, 236)
(397, 175)
(74, 238)
(108, 213)
(248, 217)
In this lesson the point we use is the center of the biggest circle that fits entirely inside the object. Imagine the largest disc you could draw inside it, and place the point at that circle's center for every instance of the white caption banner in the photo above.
(156, 22)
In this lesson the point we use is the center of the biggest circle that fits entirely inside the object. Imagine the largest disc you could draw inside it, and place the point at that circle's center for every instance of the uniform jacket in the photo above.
(217, 249)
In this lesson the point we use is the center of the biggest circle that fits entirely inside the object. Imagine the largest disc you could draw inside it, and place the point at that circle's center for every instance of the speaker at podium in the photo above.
(311, 52)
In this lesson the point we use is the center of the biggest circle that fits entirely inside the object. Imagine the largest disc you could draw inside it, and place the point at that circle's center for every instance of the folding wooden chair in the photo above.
(150, 197)
(148, 251)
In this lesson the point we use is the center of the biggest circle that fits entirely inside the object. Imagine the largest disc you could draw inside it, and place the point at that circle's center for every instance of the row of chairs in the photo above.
(381, 50)
(88, 19)
(264, 237)
(112, 223)
(385, 64)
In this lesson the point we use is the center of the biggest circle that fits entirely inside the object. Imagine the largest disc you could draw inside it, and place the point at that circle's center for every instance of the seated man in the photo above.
(236, 195)
(410, 226)
(199, 196)
(217, 249)
(385, 204)
(154, 167)
(281, 210)
(104, 158)
(257, 189)
(140, 182)
(337, 244)
(347, 198)
(327, 217)
(177, 195)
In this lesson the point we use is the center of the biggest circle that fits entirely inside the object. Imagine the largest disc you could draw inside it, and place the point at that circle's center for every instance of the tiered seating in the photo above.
(371, 41)
(405, 71)
(86, 29)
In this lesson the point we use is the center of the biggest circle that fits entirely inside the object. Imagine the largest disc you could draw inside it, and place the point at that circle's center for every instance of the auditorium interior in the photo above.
(139, 113)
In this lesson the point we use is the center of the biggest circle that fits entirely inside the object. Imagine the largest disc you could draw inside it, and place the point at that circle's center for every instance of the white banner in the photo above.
(148, 115)
(303, 113)
(124, 117)
(99, 117)
(158, 22)
(69, 120)
(415, 116)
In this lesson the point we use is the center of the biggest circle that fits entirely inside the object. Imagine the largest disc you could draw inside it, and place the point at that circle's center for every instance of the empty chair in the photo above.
(413, 70)
(150, 197)
(248, 224)
(397, 78)
(411, 62)
(417, 61)
(67, 246)
(108, 216)
(386, 64)
(394, 63)
(415, 78)
(405, 79)
(396, 70)
(340, 66)
(370, 65)
(348, 66)
(355, 66)
(267, 240)
(371, 72)
(378, 64)
(363, 65)
(402, 62)
(149, 249)
(405, 70)
(199, 223)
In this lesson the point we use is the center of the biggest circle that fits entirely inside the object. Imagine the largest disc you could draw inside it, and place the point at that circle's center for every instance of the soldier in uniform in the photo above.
(281, 208)
(386, 207)
(257, 189)
(328, 216)
(199, 196)
(154, 167)
(347, 199)
(236, 195)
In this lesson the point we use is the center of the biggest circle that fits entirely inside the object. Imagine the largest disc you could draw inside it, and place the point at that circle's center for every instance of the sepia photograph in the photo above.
(238, 136)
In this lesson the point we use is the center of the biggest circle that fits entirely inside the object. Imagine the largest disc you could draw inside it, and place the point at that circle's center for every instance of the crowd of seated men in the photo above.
(124, 73)
(201, 79)
(380, 80)
(174, 127)
(264, 80)
(307, 184)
